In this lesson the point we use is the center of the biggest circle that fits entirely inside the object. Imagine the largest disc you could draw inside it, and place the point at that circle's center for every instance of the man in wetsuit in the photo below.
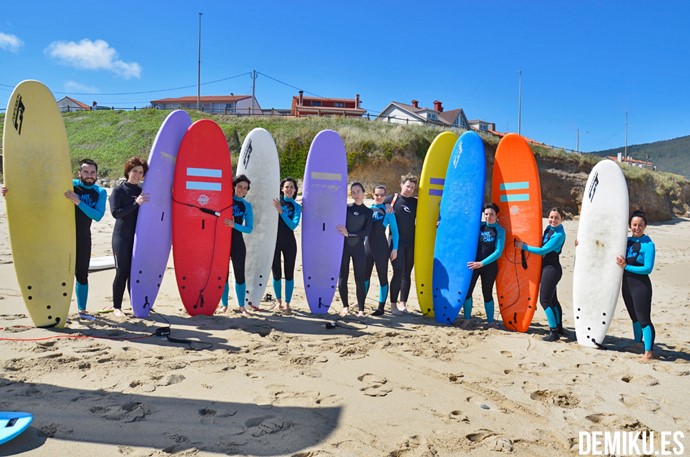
(405, 208)
(89, 198)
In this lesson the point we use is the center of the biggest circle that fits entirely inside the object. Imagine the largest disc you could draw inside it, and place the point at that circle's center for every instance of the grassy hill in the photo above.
(669, 155)
(377, 152)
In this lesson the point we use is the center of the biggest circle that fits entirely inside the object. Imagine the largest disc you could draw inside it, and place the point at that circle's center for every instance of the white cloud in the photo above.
(75, 87)
(92, 55)
(10, 42)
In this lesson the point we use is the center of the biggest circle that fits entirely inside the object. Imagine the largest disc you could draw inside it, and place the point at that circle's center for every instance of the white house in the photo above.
(215, 104)
(482, 126)
(402, 113)
(70, 104)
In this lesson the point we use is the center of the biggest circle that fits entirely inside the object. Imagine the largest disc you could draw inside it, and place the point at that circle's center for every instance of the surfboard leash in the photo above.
(166, 331)
(200, 298)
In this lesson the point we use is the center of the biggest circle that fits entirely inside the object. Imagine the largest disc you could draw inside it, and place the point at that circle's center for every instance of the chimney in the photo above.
(415, 103)
(356, 101)
(438, 106)
(301, 98)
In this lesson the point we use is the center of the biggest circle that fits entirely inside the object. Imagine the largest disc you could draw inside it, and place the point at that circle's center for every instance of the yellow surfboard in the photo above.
(37, 171)
(428, 204)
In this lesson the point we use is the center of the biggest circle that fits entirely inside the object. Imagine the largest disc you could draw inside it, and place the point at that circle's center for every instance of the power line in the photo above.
(289, 85)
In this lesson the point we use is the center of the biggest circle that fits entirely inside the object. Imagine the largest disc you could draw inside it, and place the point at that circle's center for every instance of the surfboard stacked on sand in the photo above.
(258, 161)
(41, 225)
(601, 236)
(458, 229)
(429, 192)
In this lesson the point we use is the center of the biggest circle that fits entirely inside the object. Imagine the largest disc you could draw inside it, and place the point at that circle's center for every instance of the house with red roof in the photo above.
(321, 106)
(70, 104)
(482, 126)
(403, 113)
(214, 104)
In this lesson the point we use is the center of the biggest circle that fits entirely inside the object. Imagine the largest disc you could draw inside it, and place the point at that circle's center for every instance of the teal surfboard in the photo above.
(457, 236)
(13, 424)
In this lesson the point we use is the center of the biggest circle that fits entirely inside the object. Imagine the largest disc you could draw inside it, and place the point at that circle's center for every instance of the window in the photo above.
(339, 105)
(316, 103)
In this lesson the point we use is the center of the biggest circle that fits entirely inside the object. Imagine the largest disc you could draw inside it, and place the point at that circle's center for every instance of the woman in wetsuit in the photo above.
(290, 213)
(637, 287)
(125, 201)
(551, 271)
(376, 247)
(491, 242)
(356, 228)
(242, 222)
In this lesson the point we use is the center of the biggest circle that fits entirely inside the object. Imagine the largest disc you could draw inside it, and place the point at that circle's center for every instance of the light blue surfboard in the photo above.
(13, 424)
(457, 235)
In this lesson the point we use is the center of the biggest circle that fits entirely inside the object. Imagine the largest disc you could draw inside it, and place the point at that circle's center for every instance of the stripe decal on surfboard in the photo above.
(438, 181)
(515, 198)
(326, 176)
(514, 185)
(197, 185)
(205, 172)
(436, 192)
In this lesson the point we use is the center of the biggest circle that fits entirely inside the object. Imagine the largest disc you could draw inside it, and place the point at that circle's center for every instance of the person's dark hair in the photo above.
(288, 179)
(88, 162)
(135, 162)
(356, 184)
(491, 205)
(638, 213)
(380, 186)
(558, 210)
(408, 177)
(241, 178)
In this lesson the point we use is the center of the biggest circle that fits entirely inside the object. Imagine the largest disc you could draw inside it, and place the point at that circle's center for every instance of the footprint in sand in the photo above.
(645, 380)
(491, 440)
(616, 422)
(640, 401)
(555, 397)
(266, 425)
(375, 385)
(129, 412)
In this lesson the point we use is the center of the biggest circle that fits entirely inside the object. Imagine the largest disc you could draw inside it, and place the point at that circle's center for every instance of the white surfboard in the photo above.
(102, 263)
(601, 236)
(259, 162)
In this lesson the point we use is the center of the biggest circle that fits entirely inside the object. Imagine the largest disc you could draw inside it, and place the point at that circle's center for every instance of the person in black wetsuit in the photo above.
(290, 213)
(89, 198)
(357, 227)
(491, 242)
(125, 201)
(637, 264)
(551, 271)
(242, 222)
(377, 247)
(405, 207)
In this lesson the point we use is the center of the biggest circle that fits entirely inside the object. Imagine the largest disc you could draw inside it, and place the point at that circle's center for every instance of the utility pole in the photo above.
(251, 107)
(198, 72)
(520, 104)
(626, 136)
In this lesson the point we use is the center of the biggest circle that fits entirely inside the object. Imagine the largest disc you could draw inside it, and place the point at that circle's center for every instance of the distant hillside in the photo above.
(669, 155)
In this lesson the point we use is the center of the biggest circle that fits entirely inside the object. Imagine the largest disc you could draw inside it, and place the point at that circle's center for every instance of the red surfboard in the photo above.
(202, 199)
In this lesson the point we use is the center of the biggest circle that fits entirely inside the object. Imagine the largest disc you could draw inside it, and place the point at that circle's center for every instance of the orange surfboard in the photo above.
(517, 191)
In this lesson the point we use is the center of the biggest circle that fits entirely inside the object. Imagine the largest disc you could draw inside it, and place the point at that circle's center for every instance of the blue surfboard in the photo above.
(12, 424)
(457, 236)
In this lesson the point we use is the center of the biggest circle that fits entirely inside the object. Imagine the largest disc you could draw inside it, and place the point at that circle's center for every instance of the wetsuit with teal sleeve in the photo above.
(637, 288)
(405, 214)
(551, 273)
(377, 249)
(124, 209)
(244, 223)
(91, 208)
(287, 246)
(358, 225)
(491, 242)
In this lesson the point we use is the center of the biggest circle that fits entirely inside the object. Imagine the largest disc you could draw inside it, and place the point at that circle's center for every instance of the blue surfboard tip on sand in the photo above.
(12, 424)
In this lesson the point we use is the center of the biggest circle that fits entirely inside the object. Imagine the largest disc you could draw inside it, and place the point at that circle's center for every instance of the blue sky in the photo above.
(584, 63)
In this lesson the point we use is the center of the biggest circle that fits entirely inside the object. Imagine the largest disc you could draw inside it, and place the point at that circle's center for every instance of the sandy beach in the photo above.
(382, 386)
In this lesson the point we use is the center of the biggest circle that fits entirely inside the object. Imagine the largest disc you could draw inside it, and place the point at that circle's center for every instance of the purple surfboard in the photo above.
(152, 239)
(324, 201)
